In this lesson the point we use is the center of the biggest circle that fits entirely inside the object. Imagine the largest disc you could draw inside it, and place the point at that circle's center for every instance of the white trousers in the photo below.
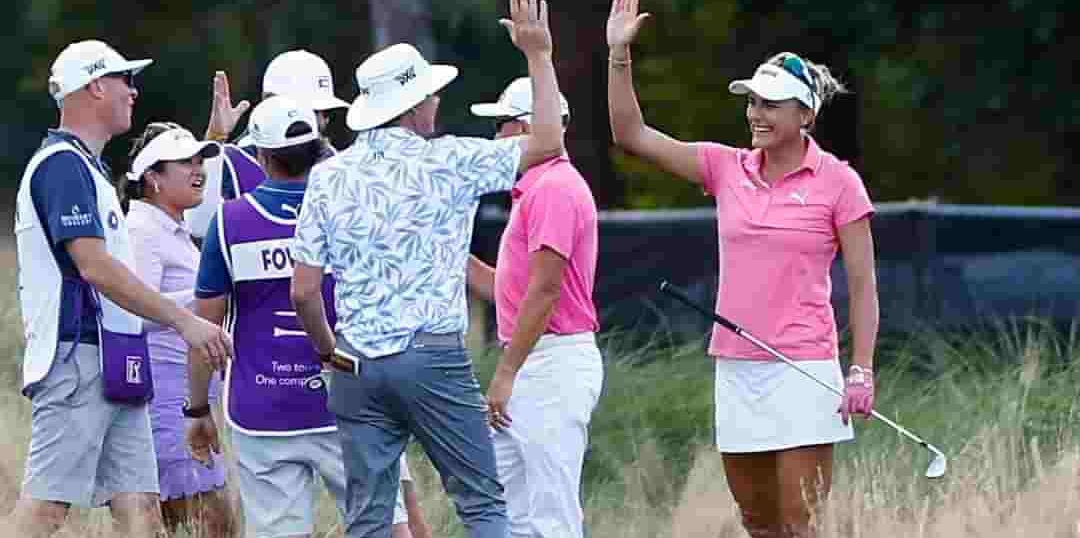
(539, 457)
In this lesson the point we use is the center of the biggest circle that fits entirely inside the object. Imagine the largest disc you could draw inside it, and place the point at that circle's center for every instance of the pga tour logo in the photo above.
(134, 373)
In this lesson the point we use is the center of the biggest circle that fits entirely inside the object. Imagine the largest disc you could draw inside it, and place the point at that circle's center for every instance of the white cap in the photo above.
(271, 119)
(515, 102)
(776, 83)
(84, 61)
(172, 145)
(303, 76)
(391, 82)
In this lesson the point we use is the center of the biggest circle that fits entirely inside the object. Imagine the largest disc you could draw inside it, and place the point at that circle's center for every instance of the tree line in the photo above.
(964, 103)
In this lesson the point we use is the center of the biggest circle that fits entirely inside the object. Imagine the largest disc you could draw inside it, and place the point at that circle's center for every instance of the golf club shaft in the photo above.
(670, 290)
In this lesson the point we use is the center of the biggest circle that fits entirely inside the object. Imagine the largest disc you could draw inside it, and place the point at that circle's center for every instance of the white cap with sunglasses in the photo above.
(779, 83)
(82, 62)
(172, 145)
(515, 102)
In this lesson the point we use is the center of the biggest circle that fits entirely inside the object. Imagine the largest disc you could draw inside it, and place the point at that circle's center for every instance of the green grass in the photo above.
(1001, 401)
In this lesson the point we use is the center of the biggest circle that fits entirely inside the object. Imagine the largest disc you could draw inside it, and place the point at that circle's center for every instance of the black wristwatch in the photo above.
(195, 412)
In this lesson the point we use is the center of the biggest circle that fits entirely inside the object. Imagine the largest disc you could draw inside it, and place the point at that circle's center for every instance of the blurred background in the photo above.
(964, 120)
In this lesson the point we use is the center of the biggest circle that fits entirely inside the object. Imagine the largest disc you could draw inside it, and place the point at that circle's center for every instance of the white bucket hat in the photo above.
(172, 145)
(391, 82)
(515, 102)
(85, 61)
(778, 83)
(271, 119)
(303, 76)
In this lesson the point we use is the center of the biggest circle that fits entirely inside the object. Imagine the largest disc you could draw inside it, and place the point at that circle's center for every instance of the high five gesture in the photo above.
(528, 26)
(624, 22)
(531, 34)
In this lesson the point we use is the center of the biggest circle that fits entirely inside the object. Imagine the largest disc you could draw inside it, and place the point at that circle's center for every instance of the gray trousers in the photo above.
(429, 392)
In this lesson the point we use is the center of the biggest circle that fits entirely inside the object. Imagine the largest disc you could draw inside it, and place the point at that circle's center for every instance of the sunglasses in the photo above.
(127, 76)
(503, 120)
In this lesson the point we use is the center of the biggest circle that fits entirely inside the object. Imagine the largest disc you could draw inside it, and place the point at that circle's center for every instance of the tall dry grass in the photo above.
(1002, 403)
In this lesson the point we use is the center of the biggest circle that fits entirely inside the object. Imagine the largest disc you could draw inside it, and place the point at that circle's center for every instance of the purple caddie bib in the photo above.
(273, 382)
(246, 172)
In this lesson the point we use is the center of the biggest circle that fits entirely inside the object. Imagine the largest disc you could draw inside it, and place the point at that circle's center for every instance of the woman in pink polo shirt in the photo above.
(784, 208)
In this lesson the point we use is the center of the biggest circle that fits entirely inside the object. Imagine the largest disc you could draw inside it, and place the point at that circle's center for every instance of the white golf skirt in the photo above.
(762, 406)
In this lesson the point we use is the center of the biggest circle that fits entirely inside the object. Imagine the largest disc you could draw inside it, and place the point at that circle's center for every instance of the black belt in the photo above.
(339, 361)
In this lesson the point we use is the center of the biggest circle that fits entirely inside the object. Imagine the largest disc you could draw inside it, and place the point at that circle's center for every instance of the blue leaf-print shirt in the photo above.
(392, 216)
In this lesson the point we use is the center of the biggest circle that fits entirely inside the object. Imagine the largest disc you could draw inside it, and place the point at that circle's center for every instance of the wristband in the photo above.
(215, 136)
(195, 412)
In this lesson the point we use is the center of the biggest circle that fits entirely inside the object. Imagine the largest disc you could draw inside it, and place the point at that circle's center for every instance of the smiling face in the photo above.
(179, 183)
(775, 123)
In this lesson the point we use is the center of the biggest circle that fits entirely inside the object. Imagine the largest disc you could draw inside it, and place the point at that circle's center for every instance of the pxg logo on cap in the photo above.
(406, 76)
(95, 67)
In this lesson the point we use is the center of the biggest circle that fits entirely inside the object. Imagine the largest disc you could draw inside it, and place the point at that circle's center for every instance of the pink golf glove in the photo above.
(858, 393)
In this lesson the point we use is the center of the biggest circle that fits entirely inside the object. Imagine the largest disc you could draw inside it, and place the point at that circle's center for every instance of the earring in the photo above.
(157, 188)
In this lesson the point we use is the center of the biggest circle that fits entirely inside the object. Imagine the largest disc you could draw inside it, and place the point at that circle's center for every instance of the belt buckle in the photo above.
(344, 364)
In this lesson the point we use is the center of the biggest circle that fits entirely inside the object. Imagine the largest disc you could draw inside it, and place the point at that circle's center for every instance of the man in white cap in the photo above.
(551, 372)
(283, 436)
(85, 366)
(298, 74)
(392, 217)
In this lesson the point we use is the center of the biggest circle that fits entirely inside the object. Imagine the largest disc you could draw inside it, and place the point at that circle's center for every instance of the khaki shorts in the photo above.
(85, 450)
(277, 481)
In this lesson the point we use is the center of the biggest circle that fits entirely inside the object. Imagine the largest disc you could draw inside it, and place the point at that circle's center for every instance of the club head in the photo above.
(937, 465)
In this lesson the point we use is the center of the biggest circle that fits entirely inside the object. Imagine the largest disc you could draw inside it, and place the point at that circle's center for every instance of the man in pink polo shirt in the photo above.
(551, 373)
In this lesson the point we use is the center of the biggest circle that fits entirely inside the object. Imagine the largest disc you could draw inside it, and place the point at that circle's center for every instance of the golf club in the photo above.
(937, 464)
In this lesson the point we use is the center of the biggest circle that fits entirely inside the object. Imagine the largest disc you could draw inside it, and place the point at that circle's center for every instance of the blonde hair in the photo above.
(826, 85)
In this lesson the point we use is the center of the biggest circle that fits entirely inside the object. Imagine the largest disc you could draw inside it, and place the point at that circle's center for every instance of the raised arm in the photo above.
(531, 34)
(628, 128)
(223, 114)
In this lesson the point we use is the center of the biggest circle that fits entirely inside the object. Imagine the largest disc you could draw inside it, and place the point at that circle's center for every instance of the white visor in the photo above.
(775, 83)
(172, 145)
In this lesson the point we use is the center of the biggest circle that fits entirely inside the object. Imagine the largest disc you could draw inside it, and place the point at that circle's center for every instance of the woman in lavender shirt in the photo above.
(166, 178)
